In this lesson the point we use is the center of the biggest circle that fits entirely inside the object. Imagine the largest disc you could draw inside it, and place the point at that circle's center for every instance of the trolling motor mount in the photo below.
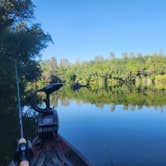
(47, 120)
(47, 90)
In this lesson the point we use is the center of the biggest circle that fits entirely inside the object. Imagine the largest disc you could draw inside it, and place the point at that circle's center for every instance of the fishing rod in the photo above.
(22, 147)
(19, 102)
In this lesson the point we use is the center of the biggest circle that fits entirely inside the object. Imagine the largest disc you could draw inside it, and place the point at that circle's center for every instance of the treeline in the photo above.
(138, 70)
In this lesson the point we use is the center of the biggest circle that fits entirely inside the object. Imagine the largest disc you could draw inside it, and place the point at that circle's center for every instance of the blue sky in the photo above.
(83, 29)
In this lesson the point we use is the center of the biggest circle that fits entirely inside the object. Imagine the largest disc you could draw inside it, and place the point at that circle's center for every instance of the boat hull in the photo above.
(56, 152)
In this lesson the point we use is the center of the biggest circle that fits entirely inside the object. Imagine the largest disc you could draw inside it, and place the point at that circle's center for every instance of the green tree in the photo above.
(49, 70)
(14, 11)
(112, 55)
(20, 42)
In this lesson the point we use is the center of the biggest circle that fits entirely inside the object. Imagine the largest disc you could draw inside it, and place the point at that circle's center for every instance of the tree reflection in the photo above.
(131, 98)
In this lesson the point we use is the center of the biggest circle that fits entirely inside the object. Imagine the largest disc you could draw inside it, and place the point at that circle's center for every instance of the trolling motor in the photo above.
(47, 120)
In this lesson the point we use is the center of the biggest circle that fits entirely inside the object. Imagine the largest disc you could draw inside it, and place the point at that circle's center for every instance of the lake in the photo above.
(121, 137)
(111, 128)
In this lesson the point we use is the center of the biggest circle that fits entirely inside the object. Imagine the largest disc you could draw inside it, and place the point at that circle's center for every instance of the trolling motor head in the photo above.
(47, 121)
(47, 90)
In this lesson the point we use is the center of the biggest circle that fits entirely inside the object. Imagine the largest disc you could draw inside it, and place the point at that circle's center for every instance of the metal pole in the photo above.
(19, 102)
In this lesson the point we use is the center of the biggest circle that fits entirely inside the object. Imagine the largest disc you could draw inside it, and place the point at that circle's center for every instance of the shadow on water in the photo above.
(130, 98)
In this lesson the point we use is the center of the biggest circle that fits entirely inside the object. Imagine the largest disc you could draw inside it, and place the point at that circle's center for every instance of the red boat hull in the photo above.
(56, 152)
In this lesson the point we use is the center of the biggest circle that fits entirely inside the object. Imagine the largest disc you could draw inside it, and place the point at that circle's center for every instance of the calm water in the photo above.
(117, 128)
(121, 137)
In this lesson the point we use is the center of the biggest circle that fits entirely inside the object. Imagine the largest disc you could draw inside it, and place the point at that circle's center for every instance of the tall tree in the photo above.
(14, 11)
(111, 55)
(20, 42)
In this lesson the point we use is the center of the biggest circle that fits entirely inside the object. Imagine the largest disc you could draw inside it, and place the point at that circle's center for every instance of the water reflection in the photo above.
(28, 112)
(118, 126)
(131, 99)
(119, 137)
